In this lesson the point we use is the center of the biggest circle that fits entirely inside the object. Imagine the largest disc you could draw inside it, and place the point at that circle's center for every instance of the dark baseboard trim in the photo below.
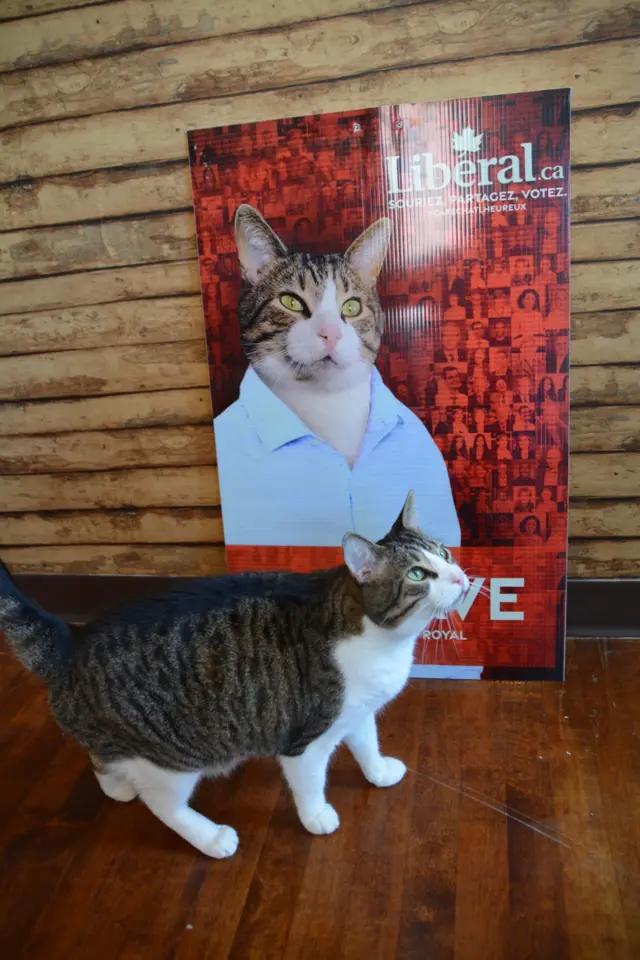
(603, 608)
(595, 608)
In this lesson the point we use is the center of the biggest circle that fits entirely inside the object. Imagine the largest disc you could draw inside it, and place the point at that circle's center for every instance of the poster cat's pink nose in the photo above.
(458, 578)
(331, 334)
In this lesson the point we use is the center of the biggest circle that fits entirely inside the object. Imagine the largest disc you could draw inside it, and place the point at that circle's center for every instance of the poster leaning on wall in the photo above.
(386, 300)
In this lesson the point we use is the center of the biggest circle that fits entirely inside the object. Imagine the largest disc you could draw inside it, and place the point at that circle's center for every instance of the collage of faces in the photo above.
(488, 374)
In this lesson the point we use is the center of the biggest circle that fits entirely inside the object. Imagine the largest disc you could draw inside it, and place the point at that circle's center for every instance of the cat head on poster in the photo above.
(309, 317)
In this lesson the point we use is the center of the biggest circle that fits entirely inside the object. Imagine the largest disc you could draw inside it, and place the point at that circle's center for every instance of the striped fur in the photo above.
(226, 668)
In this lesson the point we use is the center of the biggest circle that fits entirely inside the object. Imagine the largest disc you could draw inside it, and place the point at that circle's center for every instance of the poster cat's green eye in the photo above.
(351, 307)
(292, 303)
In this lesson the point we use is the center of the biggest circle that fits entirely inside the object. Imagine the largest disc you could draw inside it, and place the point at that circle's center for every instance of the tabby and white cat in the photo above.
(163, 692)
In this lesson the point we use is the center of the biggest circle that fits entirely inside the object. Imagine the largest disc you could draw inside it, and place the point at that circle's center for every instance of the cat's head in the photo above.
(309, 317)
(407, 578)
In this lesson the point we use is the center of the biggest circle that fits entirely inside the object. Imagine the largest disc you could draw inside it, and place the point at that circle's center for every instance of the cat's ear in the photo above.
(362, 557)
(367, 252)
(408, 516)
(258, 246)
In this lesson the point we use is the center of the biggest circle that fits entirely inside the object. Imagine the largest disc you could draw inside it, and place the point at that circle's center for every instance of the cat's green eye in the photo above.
(351, 307)
(444, 553)
(416, 574)
(292, 303)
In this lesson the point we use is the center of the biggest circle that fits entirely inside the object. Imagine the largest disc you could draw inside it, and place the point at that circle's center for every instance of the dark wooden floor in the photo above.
(426, 869)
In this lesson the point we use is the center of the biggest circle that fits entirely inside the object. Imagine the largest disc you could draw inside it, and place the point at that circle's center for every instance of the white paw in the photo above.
(116, 787)
(327, 821)
(388, 772)
(223, 844)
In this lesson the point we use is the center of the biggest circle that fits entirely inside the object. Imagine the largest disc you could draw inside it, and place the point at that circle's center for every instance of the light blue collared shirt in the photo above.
(281, 485)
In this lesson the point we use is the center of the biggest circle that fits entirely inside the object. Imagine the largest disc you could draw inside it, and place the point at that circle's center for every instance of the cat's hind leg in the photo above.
(114, 785)
(166, 793)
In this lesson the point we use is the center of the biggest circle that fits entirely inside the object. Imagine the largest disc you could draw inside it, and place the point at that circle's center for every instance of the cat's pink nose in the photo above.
(458, 578)
(331, 335)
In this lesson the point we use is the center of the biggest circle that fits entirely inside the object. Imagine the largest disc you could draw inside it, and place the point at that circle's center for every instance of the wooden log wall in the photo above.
(107, 460)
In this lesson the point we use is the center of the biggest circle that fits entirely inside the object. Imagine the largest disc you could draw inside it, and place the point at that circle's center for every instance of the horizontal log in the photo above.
(601, 430)
(610, 240)
(604, 558)
(28, 8)
(609, 286)
(613, 286)
(150, 367)
(610, 134)
(604, 385)
(133, 369)
(598, 193)
(111, 243)
(113, 193)
(605, 429)
(161, 238)
(601, 193)
(197, 525)
(605, 475)
(598, 338)
(108, 450)
(137, 560)
(167, 408)
(100, 286)
(604, 519)
(610, 519)
(103, 325)
(111, 490)
(595, 558)
(76, 34)
(597, 475)
(332, 49)
(157, 134)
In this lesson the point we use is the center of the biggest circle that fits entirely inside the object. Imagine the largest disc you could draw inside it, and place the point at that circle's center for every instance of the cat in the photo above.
(163, 692)
(311, 325)
(316, 439)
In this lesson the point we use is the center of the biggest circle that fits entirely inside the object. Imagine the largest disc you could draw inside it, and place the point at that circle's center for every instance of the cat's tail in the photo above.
(41, 641)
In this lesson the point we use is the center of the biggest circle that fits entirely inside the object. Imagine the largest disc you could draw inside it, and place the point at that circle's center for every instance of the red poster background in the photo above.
(481, 361)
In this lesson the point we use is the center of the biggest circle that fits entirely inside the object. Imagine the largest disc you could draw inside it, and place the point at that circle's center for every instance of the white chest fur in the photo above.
(375, 666)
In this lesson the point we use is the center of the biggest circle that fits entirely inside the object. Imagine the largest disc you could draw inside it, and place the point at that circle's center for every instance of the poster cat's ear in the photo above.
(408, 516)
(367, 252)
(361, 556)
(258, 245)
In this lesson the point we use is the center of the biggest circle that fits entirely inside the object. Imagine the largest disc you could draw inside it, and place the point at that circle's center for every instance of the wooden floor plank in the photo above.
(589, 875)
(427, 913)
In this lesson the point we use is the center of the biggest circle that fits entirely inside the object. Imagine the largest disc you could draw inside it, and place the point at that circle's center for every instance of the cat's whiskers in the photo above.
(452, 630)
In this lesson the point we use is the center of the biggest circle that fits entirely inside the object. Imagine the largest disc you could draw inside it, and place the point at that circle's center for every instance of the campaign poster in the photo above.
(386, 302)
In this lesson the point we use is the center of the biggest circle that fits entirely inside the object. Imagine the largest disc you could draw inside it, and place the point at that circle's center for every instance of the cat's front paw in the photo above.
(387, 772)
(222, 844)
(327, 821)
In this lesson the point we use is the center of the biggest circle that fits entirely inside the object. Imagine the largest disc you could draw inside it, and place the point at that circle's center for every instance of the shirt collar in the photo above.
(276, 424)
